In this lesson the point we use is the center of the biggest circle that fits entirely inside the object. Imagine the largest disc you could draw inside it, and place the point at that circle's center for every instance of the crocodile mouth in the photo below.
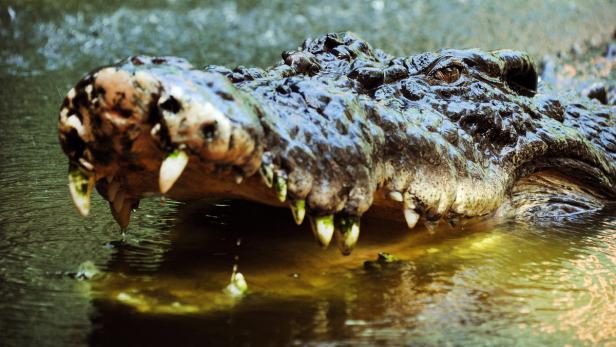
(333, 134)
(134, 131)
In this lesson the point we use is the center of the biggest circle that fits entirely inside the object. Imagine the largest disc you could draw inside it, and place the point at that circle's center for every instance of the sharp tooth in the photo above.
(298, 208)
(280, 185)
(171, 169)
(267, 173)
(239, 179)
(122, 216)
(155, 129)
(323, 229)
(411, 217)
(395, 196)
(86, 164)
(112, 190)
(347, 233)
(80, 185)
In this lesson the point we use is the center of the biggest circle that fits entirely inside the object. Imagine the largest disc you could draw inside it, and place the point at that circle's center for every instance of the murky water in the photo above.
(162, 282)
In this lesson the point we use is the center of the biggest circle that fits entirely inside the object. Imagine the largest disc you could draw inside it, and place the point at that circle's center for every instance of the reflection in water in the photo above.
(500, 283)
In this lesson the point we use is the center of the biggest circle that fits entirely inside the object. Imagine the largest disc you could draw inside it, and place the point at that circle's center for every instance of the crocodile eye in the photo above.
(447, 74)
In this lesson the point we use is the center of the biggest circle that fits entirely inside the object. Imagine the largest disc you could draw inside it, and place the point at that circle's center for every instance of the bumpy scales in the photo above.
(336, 129)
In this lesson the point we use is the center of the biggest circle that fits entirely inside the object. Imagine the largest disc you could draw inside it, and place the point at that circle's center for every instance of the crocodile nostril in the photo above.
(209, 131)
(171, 105)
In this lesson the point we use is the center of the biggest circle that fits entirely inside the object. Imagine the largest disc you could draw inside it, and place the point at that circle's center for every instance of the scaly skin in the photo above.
(341, 128)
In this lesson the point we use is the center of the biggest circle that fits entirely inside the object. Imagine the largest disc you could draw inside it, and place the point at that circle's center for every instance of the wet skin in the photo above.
(338, 129)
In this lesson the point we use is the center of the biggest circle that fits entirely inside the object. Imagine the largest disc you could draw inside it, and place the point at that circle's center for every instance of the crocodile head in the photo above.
(337, 129)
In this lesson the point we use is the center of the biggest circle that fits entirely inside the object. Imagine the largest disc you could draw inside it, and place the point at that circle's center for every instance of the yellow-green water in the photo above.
(162, 282)
(507, 284)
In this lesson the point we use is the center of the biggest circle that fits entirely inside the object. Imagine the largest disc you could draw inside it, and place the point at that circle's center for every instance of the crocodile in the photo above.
(337, 129)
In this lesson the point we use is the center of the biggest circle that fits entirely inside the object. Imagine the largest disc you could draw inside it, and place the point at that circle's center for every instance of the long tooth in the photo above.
(86, 164)
(122, 216)
(411, 217)
(80, 186)
(171, 169)
(323, 229)
(395, 196)
(347, 233)
(155, 129)
(298, 209)
(267, 173)
(112, 190)
(280, 184)
(239, 179)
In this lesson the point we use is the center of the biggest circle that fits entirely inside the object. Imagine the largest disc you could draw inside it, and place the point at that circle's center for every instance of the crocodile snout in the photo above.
(138, 124)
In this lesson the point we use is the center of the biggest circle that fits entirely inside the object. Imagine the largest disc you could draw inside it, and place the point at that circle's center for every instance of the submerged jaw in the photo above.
(171, 169)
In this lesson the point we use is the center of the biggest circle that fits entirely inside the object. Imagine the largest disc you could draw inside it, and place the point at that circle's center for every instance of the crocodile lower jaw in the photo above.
(184, 178)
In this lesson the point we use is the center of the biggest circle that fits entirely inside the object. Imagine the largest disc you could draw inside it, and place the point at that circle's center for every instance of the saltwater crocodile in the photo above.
(338, 129)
